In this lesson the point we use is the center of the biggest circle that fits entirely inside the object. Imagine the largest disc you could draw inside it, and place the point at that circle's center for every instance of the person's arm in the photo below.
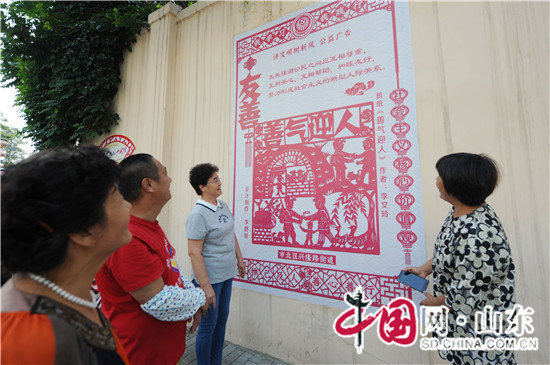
(189, 284)
(433, 301)
(297, 217)
(139, 272)
(350, 157)
(424, 271)
(313, 217)
(194, 249)
(169, 302)
(241, 266)
(361, 158)
(196, 321)
(421, 271)
(143, 295)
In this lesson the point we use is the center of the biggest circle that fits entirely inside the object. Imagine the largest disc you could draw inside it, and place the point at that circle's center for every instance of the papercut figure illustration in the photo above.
(323, 219)
(288, 218)
(323, 162)
(279, 184)
(339, 158)
(367, 161)
(309, 231)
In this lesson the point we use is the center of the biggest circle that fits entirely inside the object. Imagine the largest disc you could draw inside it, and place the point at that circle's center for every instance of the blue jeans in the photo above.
(211, 333)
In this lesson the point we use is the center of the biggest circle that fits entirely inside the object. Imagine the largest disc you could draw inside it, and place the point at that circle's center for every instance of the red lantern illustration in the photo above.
(401, 129)
(398, 95)
(402, 164)
(406, 219)
(401, 146)
(404, 200)
(399, 112)
(403, 182)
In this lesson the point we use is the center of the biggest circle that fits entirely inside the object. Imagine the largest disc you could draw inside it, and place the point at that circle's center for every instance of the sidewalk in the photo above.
(232, 354)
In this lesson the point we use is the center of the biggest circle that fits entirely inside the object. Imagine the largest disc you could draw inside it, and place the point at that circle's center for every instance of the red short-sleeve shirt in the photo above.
(146, 339)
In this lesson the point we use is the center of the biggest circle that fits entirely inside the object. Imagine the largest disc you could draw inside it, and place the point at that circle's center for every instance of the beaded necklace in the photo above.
(62, 292)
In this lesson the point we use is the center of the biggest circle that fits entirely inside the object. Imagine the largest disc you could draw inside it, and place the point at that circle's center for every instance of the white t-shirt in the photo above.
(215, 225)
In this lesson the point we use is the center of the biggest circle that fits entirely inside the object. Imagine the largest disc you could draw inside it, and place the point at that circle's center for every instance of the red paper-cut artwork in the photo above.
(302, 158)
(326, 172)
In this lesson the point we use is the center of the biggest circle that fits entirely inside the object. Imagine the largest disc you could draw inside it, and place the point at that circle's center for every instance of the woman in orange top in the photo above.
(62, 216)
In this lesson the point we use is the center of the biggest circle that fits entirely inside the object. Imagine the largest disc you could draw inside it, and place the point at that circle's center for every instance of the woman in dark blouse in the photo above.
(472, 264)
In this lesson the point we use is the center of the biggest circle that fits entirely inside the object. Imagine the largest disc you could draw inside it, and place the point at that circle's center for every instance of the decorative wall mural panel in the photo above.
(326, 171)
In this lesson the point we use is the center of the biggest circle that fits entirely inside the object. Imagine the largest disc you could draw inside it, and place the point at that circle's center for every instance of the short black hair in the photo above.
(135, 168)
(468, 177)
(48, 196)
(200, 174)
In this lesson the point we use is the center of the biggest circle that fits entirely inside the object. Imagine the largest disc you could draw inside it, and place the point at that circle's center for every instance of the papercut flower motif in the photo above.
(352, 91)
(359, 88)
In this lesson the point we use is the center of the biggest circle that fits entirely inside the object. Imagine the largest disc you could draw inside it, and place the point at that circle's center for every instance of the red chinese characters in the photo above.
(307, 257)
(249, 111)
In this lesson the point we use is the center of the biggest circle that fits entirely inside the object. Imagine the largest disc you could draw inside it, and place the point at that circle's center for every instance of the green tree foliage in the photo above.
(64, 59)
(14, 139)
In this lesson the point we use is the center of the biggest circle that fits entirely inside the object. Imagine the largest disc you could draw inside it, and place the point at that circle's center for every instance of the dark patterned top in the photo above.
(473, 267)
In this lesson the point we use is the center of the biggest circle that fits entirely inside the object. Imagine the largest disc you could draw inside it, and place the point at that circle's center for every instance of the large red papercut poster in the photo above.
(326, 169)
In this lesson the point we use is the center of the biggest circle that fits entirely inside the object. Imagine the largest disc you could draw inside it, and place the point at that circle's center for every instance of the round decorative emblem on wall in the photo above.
(118, 147)
(302, 25)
